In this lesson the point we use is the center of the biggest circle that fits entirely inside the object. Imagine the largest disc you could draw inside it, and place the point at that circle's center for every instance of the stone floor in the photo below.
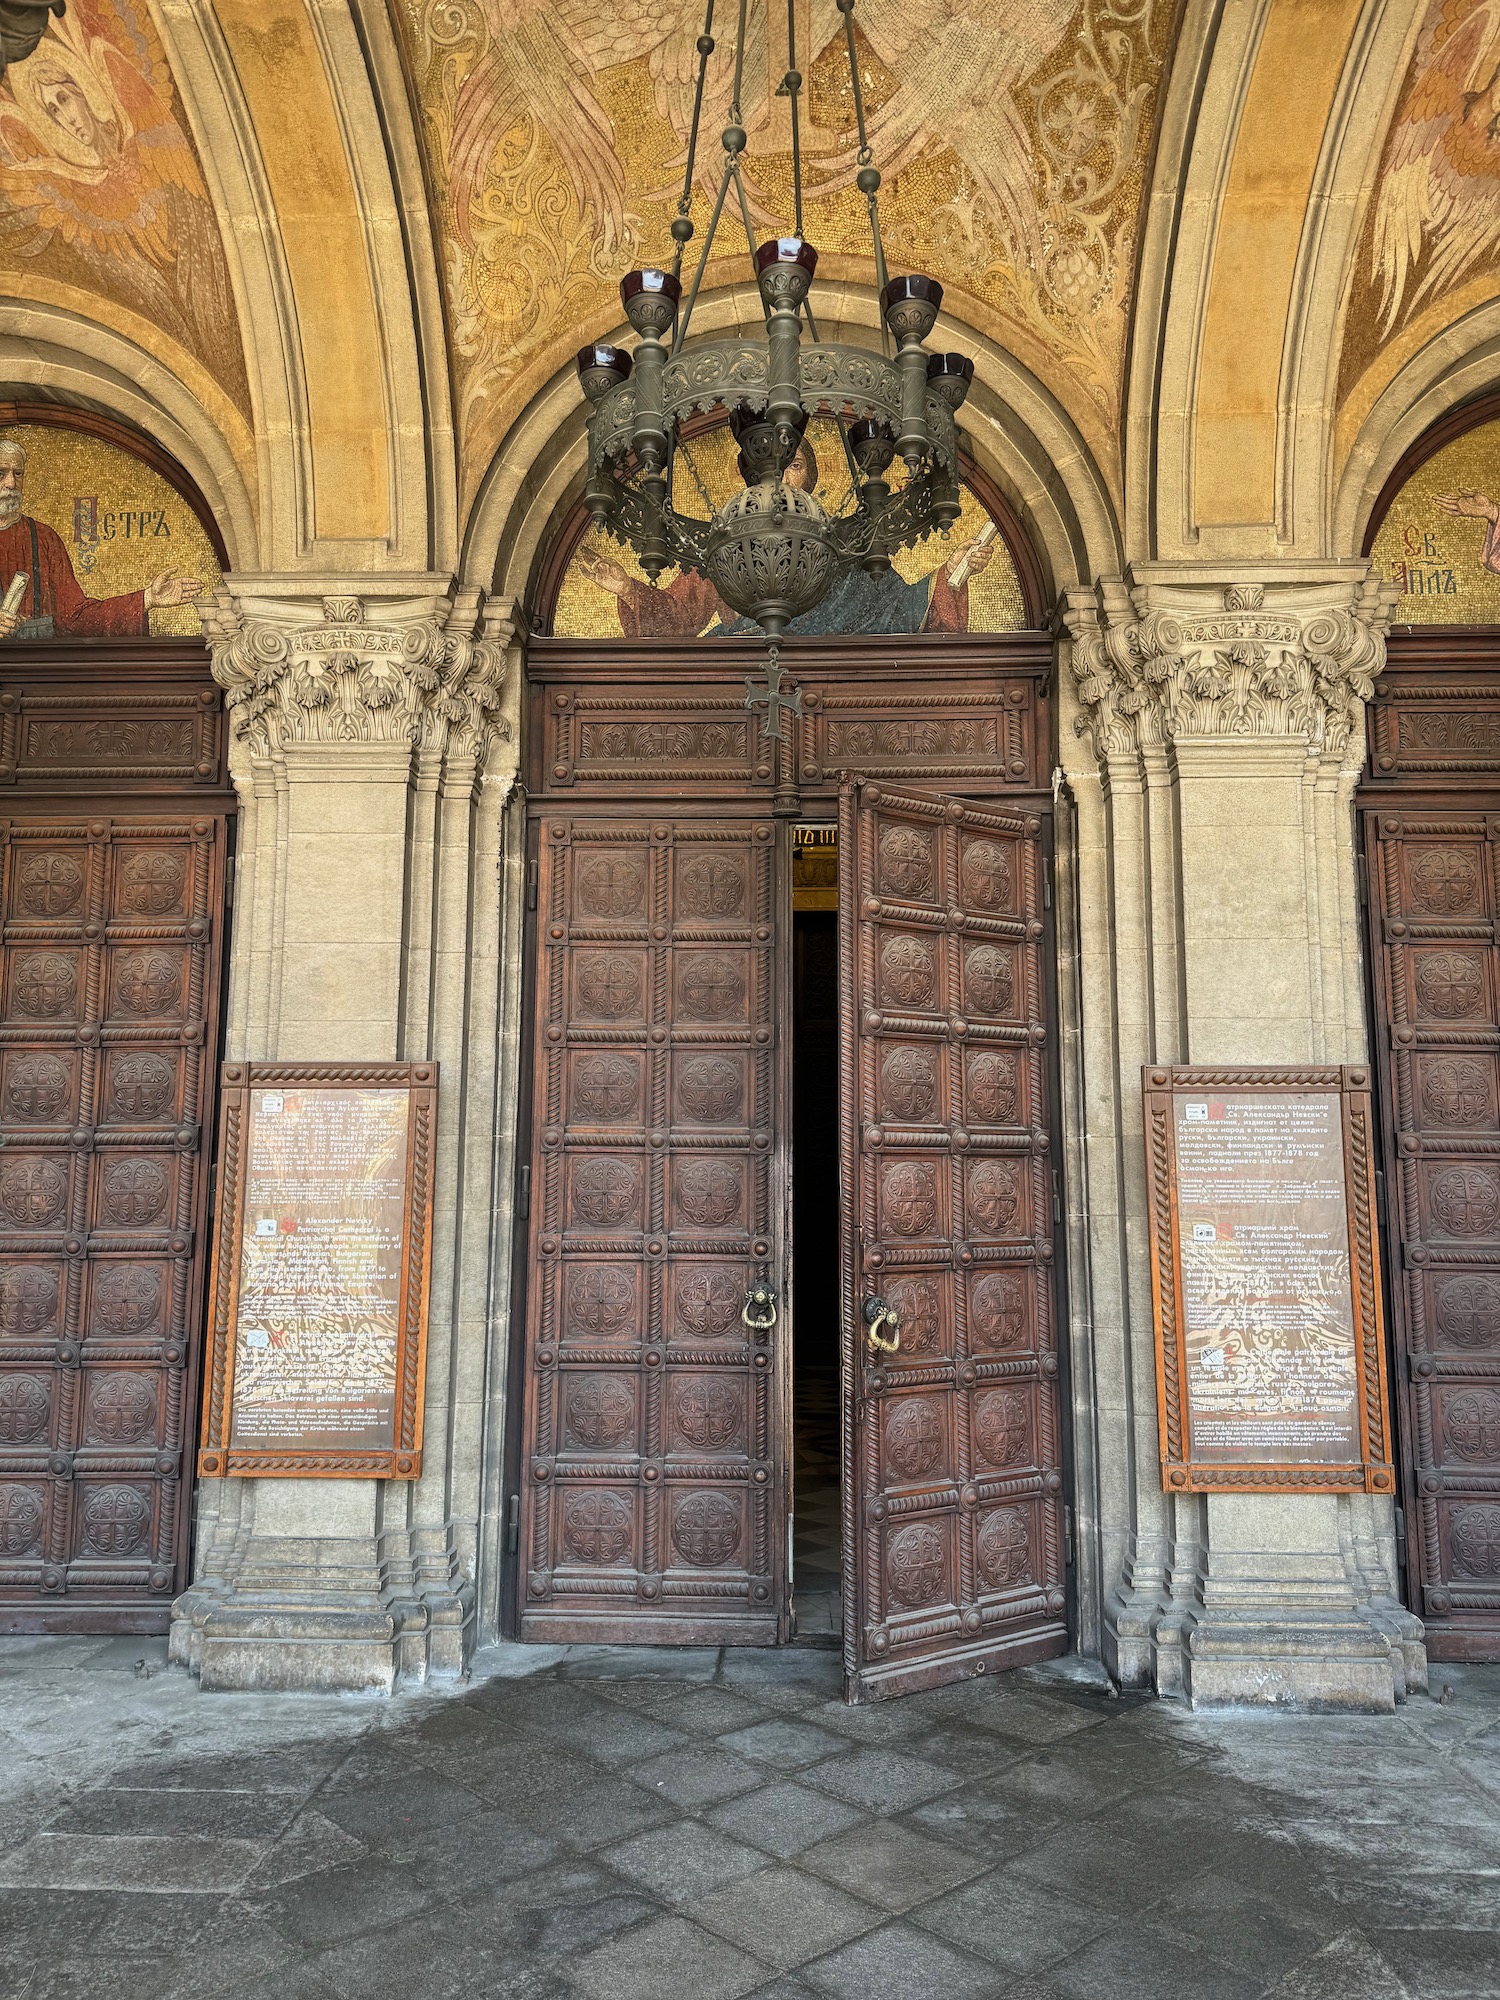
(669, 1826)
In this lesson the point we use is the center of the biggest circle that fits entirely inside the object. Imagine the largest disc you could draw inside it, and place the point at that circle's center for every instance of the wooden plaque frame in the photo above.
(217, 1457)
(1180, 1473)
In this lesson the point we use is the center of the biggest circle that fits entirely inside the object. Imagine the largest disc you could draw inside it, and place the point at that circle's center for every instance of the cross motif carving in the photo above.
(775, 700)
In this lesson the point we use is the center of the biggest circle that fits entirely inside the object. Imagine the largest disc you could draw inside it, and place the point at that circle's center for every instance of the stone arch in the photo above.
(1457, 367)
(48, 354)
(1270, 139)
(1017, 432)
(309, 146)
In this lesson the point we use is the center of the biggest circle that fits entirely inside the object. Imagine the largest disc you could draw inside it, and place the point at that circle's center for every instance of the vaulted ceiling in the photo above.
(1213, 259)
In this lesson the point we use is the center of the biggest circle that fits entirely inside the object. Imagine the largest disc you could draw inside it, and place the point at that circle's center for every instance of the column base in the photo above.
(238, 1642)
(327, 1614)
(1315, 1662)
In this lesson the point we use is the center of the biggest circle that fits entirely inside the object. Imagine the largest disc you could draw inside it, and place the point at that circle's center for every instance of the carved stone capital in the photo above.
(422, 671)
(1166, 660)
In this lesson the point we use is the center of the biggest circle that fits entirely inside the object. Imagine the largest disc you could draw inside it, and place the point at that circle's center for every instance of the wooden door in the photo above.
(108, 1032)
(653, 1471)
(954, 1546)
(1434, 894)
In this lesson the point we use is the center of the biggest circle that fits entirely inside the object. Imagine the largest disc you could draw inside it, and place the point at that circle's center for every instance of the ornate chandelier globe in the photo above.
(773, 550)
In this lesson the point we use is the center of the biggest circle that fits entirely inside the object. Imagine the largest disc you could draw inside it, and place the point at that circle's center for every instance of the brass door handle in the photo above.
(877, 1315)
(759, 1311)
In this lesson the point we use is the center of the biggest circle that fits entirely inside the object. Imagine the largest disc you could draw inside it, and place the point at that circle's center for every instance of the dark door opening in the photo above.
(815, 1258)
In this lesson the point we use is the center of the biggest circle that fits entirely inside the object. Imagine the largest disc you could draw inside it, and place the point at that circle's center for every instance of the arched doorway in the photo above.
(1431, 822)
(792, 1066)
(115, 817)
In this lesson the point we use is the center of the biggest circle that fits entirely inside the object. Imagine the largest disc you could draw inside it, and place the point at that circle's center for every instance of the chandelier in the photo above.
(773, 550)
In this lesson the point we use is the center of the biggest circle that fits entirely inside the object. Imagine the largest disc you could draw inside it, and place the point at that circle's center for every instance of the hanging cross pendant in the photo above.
(775, 700)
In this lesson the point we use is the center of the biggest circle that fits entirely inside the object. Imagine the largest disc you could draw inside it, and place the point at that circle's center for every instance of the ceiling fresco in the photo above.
(1432, 235)
(1013, 140)
(101, 193)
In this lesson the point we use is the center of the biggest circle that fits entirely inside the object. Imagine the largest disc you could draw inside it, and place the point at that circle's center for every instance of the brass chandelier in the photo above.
(773, 550)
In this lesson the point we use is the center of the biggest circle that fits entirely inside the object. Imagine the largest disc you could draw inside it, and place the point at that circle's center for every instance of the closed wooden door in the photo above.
(108, 1029)
(954, 1543)
(1434, 896)
(653, 1494)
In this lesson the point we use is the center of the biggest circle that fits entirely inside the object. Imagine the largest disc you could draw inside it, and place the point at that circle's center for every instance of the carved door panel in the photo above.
(653, 1502)
(108, 1025)
(953, 1504)
(1434, 889)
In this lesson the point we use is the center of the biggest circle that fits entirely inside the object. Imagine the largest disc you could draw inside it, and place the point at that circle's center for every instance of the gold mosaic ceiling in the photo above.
(1014, 142)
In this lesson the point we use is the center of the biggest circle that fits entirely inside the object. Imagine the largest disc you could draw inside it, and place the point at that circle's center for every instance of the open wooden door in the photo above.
(953, 1522)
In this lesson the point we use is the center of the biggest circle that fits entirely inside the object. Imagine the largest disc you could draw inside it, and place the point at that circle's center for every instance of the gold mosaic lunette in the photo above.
(1445, 558)
(121, 523)
(704, 476)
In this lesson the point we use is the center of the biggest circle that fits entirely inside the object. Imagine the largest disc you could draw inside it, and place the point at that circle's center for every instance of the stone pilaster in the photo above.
(1226, 718)
(372, 761)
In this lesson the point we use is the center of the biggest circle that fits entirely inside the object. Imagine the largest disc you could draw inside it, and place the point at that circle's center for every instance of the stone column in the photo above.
(372, 769)
(1227, 722)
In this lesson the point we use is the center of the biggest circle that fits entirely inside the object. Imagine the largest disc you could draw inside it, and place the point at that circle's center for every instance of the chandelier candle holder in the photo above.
(773, 550)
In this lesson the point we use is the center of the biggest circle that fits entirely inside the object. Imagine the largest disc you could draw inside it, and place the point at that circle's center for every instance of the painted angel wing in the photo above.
(1439, 200)
(542, 62)
(956, 66)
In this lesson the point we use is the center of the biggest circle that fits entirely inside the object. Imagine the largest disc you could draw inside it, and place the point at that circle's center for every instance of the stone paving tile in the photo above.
(232, 1815)
(707, 1711)
(617, 1822)
(881, 1780)
(100, 1921)
(1446, 1962)
(614, 1736)
(669, 1959)
(784, 1819)
(684, 1861)
(702, 1775)
(323, 1909)
(1242, 1929)
(891, 1866)
(121, 1978)
(1014, 1923)
(1347, 1969)
(787, 1744)
(897, 1962)
(124, 1861)
(1127, 1964)
(784, 1916)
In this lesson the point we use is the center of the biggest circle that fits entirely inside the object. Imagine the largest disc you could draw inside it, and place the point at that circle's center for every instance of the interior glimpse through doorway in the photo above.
(815, 1241)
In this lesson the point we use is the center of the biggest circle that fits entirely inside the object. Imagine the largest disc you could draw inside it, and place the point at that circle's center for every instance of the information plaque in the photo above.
(1266, 1281)
(322, 1255)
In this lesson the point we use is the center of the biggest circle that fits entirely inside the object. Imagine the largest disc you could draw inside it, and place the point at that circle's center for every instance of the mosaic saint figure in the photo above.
(53, 603)
(1470, 505)
(689, 606)
(94, 162)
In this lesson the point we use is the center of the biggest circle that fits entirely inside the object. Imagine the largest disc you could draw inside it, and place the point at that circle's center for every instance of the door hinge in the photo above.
(1068, 1535)
(523, 1193)
(513, 1524)
(1361, 884)
(1056, 1197)
(1401, 1538)
(533, 872)
(1046, 888)
(228, 881)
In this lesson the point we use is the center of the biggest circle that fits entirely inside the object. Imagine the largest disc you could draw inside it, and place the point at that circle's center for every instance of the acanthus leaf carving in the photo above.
(427, 672)
(1160, 662)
